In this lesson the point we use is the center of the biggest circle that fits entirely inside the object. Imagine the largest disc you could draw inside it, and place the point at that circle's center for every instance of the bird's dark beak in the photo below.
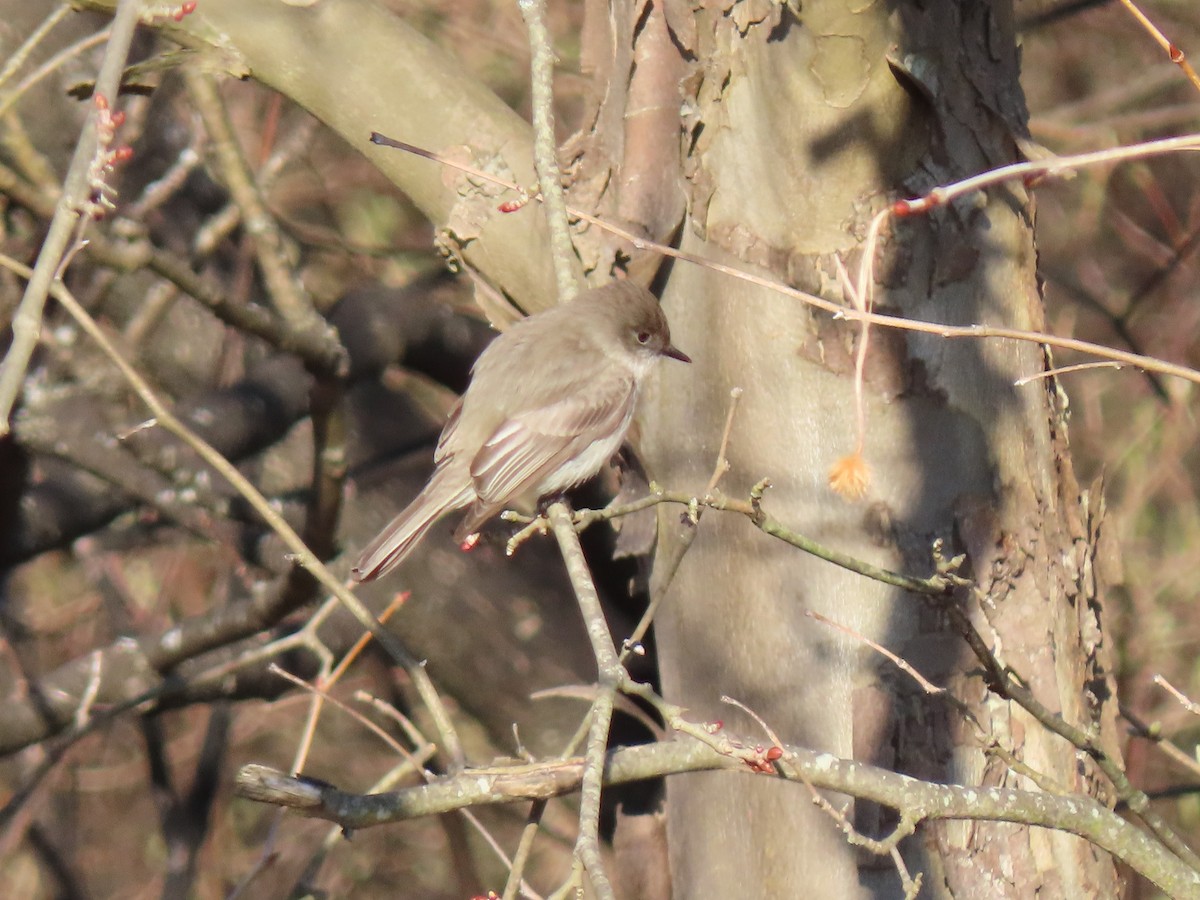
(676, 353)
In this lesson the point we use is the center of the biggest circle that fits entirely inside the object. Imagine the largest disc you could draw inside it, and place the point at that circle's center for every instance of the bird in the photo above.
(549, 402)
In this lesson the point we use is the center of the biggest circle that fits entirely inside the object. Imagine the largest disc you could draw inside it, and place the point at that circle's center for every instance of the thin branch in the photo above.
(294, 306)
(415, 760)
(987, 740)
(329, 674)
(1042, 167)
(419, 742)
(314, 348)
(1066, 370)
(300, 552)
(1153, 733)
(943, 584)
(1009, 685)
(524, 849)
(322, 691)
(925, 801)
(545, 147)
(667, 563)
(912, 886)
(721, 467)
(879, 846)
(17, 58)
(221, 224)
(1182, 698)
(902, 664)
(938, 584)
(161, 189)
(610, 675)
(88, 697)
(52, 65)
(27, 322)
(1036, 170)
(1174, 53)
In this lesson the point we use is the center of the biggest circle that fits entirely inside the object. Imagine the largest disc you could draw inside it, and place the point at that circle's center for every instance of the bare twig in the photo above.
(52, 65)
(17, 58)
(157, 192)
(524, 848)
(1153, 733)
(1066, 370)
(295, 307)
(1006, 683)
(415, 760)
(329, 677)
(926, 685)
(762, 723)
(861, 294)
(976, 332)
(668, 563)
(888, 845)
(912, 886)
(545, 147)
(1173, 52)
(300, 552)
(27, 322)
(222, 223)
(419, 757)
(1043, 168)
(88, 697)
(322, 691)
(1009, 685)
(314, 348)
(610, 676)
(1183, 699)
(938, 584)
(721, 467)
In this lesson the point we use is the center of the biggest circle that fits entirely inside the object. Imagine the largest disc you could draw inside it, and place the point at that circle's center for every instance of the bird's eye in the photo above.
(643, 337)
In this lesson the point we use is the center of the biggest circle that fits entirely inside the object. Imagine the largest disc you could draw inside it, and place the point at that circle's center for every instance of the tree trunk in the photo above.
(801, 126)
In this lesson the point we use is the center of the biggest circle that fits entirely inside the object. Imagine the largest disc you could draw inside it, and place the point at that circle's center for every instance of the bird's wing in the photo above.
(448, 430)
(529, 446)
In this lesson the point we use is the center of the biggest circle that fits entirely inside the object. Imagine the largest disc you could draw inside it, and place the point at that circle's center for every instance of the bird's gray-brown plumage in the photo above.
(550, 401)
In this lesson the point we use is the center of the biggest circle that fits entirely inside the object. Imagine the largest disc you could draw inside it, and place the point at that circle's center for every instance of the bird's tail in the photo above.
(404, 532)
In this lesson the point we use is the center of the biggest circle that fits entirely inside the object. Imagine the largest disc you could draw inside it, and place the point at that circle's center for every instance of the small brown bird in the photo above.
(550, 401)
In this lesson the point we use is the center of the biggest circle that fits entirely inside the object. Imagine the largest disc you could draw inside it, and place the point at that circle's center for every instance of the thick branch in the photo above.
(400, 84)
(1079, 815)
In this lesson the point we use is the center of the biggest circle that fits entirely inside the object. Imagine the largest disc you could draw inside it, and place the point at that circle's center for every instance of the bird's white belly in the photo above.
(587, 463)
